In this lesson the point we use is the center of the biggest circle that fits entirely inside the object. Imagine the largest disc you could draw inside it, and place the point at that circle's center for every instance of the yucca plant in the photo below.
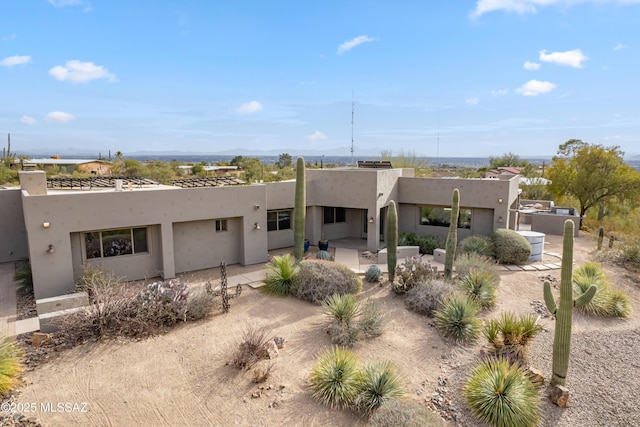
(404, 413)
(619, 304)
(456, 318)
(606, 301)
(372, 319)
(500, 394)
(510, 335)
(377, 383)
(10, 365)
(481, 287)
(342, 308)
(281, 274)
(334, 378)
(467, 262)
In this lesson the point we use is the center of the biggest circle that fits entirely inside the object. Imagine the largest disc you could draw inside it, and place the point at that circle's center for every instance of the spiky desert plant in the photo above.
(372, 319)
(334, 377)
(373, 274)
(299, 210)
(606, 301)
(324, 255)
(465, 263)
(392, 236)
(500, 394)
(452, 237)
(510, 335)
(10, 365)
(341, 308)
(481, 287)
(404, 413)
(377, 383)
(281, 274)
(564, 310)
(24, 277)
(456, 318)
(600, 237)
(476, 244)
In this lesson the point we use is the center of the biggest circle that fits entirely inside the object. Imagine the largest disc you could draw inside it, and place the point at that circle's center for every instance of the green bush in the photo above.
(10, 365)
(428, 243)
(334, 377)
(480, 245)
(606, 301)
(318, 280)
(408, 239)
(412, 272)
(510, 335)
(465, 263)
(377, 383)
(456, 318)
(24, 277)
(404, 413)
(510, 247)
(481, 287)
(501, 394)
(282, 272)
(373, 274)
(426, 298)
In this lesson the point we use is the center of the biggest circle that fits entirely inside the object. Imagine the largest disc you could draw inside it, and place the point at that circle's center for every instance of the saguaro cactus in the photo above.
(392, 239)
(564, 310)
(452, 237)
(299, 210)
(600, 237)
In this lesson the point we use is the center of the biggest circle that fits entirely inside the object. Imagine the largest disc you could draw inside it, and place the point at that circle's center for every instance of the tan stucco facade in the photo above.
(197, 228)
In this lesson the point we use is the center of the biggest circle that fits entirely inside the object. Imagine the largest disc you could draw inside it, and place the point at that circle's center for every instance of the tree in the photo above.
(506, 160)
(593, 174)
(284, 160)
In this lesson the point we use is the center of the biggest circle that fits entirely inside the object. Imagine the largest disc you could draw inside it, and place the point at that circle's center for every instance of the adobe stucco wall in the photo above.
(13, 234)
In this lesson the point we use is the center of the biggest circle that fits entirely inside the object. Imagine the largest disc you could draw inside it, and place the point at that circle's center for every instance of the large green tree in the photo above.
(593, 174)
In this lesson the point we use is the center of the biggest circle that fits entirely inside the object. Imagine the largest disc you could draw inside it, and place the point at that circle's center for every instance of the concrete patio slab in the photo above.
(529, 268)
(541, 267)
(26, 326)
(348, 257)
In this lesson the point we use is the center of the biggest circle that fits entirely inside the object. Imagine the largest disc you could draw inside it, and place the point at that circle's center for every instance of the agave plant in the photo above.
(481, 287)
(377, 382)
(334, 378)
(457, 319)
(500, 394)
(281, 274)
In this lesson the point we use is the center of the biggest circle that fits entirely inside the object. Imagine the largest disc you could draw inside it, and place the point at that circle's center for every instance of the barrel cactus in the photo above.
(325, 255)
(452, 237)
(373, 274)
(392, 239)
(299, 210)
(564, 310)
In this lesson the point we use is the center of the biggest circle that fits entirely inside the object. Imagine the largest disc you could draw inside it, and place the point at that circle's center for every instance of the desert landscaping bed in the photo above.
(184, 377)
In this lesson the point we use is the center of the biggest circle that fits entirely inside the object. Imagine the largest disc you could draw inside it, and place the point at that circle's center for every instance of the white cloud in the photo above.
(500, 92)
(572, 58)
(63, 3)
(348, 45)
(316, 136)
(620, 46)
(531, 6)
(9, 37)
(59, 116)
(249, 107)
(10, 61)
(28, 120)
(535, 88)
(472, 101)
(81, 72)
(531, 66)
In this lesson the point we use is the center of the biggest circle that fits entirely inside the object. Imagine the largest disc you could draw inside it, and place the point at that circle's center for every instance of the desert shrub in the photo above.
(456, 318)
(629, 254)
(510, 247)
(510, 335)
(428, 243)
(404, 413)
(10, 365)
(318, 280)
(252, 347)
(408, 238)
(282, 272)
(324, 255)
(373, 274)
(24, 277)
(377, 383)
(426, 298)
(349, 321)
(200, 304)
(501, 394)
(334, 377)
(163, 303)
(480, 245)
(465, 263)
(481, 287)
(412, 272)
(606, 301)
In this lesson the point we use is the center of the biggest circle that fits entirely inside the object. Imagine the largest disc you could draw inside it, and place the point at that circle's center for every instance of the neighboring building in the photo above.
(155, 230)
(88, 166)
(504, 171)
(211, 170)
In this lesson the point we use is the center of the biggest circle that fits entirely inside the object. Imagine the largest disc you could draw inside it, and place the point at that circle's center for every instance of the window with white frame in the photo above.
(221, 225)
(279, 220)
(117, 242)
(439, 216)
(332, 215)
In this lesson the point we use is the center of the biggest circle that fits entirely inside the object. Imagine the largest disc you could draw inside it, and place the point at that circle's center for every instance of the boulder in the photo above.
(559, 395)
(38, 339)
(272, 349)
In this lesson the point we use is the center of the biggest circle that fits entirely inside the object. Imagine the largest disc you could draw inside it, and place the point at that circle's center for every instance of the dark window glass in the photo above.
(284, 220)
(116, 242)
(221, 225)
(329, 215)
(341, 215)
(272, 221)
(140, 240)
(92, 245)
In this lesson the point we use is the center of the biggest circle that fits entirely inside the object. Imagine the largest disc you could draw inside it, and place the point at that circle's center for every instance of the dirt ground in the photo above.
(182, 377)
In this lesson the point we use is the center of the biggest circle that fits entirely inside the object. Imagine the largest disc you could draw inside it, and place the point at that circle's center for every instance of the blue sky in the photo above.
(481, 77)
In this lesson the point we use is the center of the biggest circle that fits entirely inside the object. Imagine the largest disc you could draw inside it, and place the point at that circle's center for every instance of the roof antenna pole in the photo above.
(352, 113)
(438, 140)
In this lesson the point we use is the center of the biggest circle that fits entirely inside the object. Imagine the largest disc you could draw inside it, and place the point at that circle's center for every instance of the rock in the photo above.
(272, 349)
(536, 377)
(38, 339)
(559, 395)
(256, 394)
(279, 342)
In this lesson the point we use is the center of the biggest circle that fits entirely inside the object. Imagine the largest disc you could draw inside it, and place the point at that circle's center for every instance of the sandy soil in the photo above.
(182, 378)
